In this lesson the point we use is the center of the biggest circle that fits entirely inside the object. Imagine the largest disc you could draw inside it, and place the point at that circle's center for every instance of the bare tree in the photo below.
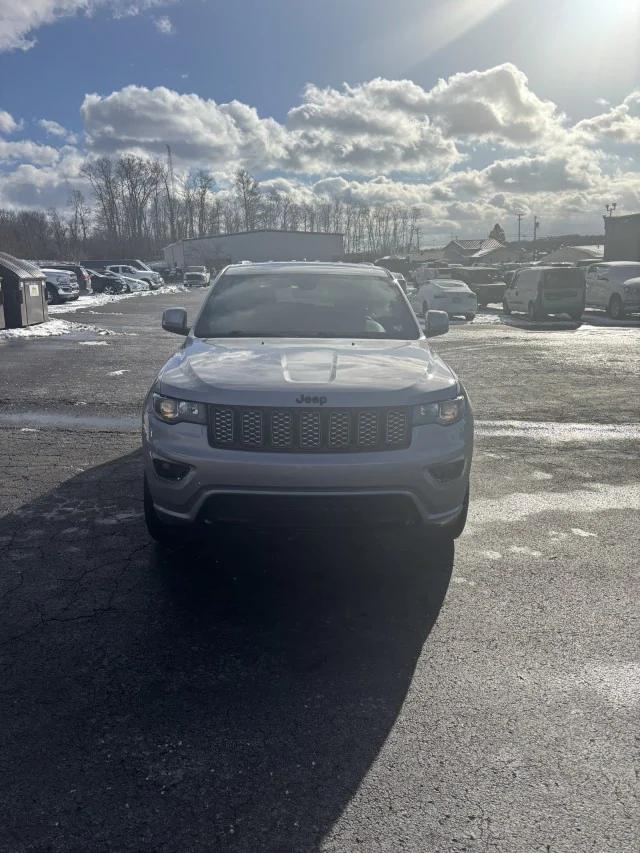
(249, 197)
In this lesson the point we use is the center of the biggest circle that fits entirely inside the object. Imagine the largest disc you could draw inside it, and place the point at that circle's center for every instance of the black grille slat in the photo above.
(309, 429)
(339, 429)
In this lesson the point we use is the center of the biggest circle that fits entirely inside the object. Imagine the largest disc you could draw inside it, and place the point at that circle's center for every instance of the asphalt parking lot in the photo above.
(313, 690)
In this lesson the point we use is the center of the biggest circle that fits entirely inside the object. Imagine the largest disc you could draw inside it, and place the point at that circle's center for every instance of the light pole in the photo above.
(536, 225)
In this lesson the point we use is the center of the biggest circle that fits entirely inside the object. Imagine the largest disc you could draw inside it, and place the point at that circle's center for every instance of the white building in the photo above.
(220, 249)
(575, 253)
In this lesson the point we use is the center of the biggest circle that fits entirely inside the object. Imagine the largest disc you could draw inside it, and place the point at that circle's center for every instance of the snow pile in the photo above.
(95, 300)
(52, 328)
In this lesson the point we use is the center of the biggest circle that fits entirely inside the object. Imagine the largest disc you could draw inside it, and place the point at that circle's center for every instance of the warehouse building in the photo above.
(573, 254)
(622, 238)
(220, 249)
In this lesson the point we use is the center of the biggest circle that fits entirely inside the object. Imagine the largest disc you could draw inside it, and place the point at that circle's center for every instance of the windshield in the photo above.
(306, 304)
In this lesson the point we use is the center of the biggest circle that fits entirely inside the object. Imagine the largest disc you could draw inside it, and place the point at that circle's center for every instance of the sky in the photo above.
(470, 110)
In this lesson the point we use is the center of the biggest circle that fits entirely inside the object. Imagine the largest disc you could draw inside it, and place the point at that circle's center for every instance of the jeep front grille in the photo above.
(309, 430)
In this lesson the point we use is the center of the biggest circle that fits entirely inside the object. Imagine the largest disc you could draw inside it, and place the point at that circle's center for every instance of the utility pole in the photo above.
(520, 217)
(536, 225)
(611, 208)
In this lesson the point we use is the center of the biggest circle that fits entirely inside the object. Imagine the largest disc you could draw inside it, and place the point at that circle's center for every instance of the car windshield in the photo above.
(306, 304)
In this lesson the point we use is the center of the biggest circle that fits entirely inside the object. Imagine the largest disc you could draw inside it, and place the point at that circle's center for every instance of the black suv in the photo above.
(103, 282)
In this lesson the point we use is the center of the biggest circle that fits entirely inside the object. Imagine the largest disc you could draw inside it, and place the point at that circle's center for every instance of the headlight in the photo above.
(445, 413)
(173, 411)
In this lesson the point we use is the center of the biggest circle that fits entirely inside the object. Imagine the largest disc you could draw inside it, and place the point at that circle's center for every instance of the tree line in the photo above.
(137, 205)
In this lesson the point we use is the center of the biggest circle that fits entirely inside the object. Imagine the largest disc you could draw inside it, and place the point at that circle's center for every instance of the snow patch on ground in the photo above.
(52, 328)
(95, 300)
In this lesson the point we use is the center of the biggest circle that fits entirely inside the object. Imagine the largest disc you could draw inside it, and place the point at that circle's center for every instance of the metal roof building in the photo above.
(622, 237)
(221, 249)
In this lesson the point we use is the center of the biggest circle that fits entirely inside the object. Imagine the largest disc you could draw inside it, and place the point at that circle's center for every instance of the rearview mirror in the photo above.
(436, 323)
(175, 320)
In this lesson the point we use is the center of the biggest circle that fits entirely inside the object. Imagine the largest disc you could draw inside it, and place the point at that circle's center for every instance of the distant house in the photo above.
(486, 251)
(572, 254)
(622, 238)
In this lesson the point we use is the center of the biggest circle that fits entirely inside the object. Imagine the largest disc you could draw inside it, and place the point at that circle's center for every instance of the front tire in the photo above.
(469, 317)
(165, 534)
(110, 289)
(52, 296)
(616, 308)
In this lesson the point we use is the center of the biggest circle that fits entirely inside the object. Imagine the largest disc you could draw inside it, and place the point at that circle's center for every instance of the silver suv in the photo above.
(306, 392)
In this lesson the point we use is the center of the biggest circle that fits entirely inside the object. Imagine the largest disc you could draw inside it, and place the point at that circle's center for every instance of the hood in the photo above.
(343, 372)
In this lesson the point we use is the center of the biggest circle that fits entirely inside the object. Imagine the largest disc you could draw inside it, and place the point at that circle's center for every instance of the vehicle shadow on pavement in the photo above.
(228, 696)
(544, 325)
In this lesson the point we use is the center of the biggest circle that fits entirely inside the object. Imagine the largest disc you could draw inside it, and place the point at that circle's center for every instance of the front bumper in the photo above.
(406, 475)
(68, 295)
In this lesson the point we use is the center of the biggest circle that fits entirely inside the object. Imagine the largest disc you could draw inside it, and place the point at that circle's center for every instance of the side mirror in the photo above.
(436, 323)
(175, 320)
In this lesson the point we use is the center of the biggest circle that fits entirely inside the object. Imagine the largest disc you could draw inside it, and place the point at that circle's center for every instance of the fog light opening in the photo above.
(170, 470)
(445, 471)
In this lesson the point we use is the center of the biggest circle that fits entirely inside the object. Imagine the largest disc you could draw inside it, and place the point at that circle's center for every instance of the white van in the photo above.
(539, 291)
(612, 286)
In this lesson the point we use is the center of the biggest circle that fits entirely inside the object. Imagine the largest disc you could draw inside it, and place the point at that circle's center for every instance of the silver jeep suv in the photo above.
(306, 392)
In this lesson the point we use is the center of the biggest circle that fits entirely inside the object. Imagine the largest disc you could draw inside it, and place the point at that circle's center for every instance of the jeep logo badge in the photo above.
(313, 401)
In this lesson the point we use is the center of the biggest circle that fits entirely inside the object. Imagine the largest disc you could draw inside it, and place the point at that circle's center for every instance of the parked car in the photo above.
(103, 282)
(134, 285)
(487, 283)
(196, 276)
(153, 279)
(614, 287)
(306, 392)
(136, 263)
(81, 274)
(445, 294)
(62, 285)
(539, 291)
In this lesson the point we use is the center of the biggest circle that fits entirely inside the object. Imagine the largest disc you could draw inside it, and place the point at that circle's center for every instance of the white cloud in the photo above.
(199, 131)
(19, 19)
(620, 123)
(375, 126)
(26, 150)
(495, 104)
(164, 25)
(8, 124)
(379, 142)
(55, 129)
(381, 126)
(31, 186)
